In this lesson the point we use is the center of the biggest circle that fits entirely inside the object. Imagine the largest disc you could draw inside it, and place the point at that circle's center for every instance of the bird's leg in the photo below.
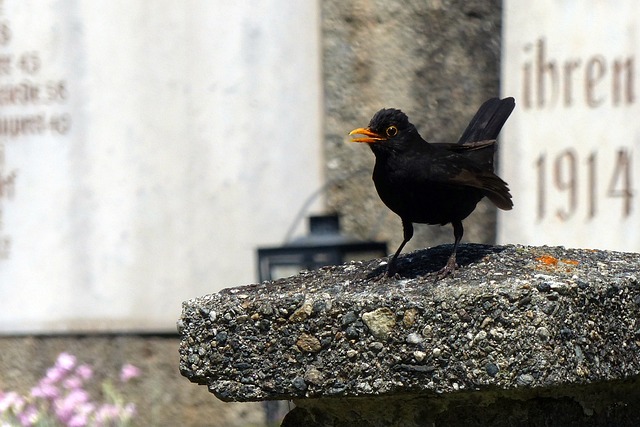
(451, 265)
(407, 229)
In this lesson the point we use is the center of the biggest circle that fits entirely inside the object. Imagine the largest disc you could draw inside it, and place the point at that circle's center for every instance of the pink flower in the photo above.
(81, 417)
(129, 371)
(59, 397)
(55, 374)
(84, 371)
(73, 382)
(107, 412)
(29, 416)
(11, 400)
(65, 362)
(67, 407)
(78, 420)
(46, 390)
(129, 411)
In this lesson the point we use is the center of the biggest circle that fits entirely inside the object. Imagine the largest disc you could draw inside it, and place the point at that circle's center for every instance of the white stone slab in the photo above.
(571, 150)
(159, 143)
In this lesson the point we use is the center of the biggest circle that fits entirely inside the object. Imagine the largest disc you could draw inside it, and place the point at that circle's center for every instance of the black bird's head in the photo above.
(389, 128)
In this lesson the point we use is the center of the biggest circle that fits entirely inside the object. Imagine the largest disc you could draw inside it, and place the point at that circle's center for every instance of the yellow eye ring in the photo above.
(391, 131)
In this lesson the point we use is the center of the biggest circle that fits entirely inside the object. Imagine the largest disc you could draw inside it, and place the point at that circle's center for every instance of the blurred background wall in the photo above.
(150, 147)
(163, 142)
(435, 60)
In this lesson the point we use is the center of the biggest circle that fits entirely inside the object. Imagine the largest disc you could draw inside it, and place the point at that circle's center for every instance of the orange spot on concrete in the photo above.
(551, 263)
(547, 260)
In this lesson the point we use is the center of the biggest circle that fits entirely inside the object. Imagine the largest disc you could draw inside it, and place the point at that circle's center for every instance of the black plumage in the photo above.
(436, 183)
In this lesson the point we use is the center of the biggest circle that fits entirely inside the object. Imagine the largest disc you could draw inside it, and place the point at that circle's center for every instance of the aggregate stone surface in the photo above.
(512, 317)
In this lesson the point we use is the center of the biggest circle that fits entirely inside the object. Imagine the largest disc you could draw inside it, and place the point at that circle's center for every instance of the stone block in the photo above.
(535, 327)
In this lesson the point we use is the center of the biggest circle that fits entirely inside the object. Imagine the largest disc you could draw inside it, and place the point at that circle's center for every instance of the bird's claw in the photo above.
(384, 276)
(392, 271)
(395, 276)
(448, 270)
(378, 277)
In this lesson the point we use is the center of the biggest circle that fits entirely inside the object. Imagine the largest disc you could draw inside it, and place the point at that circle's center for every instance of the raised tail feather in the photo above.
(488, 120)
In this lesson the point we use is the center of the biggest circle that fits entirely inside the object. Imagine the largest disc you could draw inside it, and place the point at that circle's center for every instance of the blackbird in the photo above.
(436, 183)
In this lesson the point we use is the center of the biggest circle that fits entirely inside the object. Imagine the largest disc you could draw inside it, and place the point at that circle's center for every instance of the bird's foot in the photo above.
(448, 270)
(384, 277)
(392, 272)
(388, 274)
(380, 277)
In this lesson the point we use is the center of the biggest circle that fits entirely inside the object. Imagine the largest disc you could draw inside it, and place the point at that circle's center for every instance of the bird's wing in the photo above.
(493, 186)
(452, 168)
(466, 147)
(479, 152)
(488, 120)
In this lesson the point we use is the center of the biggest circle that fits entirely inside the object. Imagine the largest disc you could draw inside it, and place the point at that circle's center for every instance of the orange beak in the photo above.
(371, 136)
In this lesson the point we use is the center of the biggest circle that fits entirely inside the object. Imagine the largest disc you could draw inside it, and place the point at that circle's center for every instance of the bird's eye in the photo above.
(391, 131)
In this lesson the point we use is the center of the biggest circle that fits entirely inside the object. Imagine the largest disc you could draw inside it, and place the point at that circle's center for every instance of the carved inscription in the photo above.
(573, 184)
(595, 81)
(33, 103)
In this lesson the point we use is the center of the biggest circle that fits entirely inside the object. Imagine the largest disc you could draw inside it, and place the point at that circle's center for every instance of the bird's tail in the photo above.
(488, 121)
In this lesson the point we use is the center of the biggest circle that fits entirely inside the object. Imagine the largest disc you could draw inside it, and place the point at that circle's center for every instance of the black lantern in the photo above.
(324, 245)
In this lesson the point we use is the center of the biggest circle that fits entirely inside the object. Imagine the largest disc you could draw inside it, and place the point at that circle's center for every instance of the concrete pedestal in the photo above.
(526, 335)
